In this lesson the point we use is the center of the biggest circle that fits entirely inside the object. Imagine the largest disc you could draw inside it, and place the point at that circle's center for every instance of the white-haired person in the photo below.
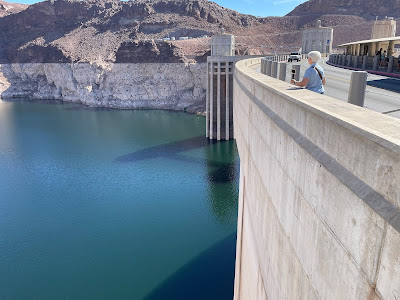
(314, 77)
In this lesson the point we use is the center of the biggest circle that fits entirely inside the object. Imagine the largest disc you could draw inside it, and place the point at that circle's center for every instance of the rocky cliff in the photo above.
(176, 86)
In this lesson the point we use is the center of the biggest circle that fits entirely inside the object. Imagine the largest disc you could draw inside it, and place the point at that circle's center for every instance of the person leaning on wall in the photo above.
(314, 77)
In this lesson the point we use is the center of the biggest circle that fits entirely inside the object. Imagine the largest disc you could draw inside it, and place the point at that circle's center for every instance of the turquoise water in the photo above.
(108, 204)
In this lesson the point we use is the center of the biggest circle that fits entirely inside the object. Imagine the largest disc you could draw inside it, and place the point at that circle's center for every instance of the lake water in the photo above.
(109, 204)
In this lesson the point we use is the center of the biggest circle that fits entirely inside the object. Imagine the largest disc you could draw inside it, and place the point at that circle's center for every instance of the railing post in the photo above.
(376, 61)
(390, 65)
(282, 71)
(356, 61)
(269, 65)
(349, 59)
(357, 89)
(365, 61)
(274, 69)
(263, 65)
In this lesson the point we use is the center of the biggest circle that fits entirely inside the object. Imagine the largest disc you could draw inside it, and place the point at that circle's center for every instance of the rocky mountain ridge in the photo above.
(367, 9)
(7, 8)
(87, 31)
(114, 31)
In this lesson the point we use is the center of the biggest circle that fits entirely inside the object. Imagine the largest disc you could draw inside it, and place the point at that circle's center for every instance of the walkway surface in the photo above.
(383, 93)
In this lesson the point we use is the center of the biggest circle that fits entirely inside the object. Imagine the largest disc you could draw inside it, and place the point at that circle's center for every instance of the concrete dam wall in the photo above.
(177, 86)
(319, 198)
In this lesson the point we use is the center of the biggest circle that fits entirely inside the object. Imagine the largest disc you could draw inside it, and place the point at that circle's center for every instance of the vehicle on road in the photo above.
(294, 56)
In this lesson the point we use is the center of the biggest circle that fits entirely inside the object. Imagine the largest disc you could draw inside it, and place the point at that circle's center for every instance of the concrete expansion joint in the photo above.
(378, 264)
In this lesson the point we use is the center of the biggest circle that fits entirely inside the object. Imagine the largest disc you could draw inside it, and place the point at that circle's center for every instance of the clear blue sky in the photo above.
(262, 8)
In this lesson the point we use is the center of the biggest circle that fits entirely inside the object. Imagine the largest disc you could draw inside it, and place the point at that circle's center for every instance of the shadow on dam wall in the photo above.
(194, 281)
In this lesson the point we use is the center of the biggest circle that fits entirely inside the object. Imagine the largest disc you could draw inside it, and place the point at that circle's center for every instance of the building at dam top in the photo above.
(384, 28)
(383, 36)
(317, 39)
(370, 47)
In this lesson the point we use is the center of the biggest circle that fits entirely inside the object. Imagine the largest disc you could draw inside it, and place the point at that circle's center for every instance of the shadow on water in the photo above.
(222, 162)
(166, 150)
(219, 171)
(222, 174)
(387, 84)
(205, 277)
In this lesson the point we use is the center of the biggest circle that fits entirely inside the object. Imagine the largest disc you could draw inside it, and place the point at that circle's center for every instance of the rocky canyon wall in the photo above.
(176, 86)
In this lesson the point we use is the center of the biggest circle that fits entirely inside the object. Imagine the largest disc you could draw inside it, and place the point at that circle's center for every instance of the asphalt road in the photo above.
(382, 95)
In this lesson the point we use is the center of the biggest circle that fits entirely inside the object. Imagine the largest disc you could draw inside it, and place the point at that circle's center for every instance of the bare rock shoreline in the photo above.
(171, 86)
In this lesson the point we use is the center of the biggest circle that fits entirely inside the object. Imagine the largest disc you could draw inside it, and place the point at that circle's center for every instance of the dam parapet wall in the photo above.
(319, 200)
(177, 86)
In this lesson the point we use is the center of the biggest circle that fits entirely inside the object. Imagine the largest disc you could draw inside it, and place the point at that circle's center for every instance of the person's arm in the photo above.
(302, 83)
(305, 80)
(324, 81)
